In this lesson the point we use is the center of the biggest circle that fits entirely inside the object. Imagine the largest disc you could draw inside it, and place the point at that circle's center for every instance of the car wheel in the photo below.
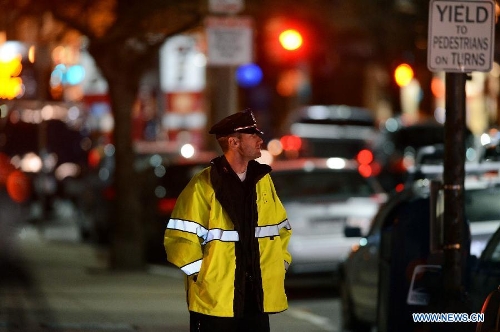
(349, 320)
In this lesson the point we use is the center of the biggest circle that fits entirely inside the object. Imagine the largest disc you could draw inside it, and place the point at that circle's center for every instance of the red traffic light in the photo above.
(286, 40)
(290, 39)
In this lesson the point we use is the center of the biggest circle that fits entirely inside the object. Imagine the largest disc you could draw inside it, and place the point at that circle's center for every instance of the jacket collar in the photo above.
(255, 170)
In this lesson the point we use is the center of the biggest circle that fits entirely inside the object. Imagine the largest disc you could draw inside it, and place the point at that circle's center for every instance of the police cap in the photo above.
(241, 122)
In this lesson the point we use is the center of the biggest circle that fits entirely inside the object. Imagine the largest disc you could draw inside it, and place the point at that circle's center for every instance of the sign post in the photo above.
(460, 40)
(229, 44)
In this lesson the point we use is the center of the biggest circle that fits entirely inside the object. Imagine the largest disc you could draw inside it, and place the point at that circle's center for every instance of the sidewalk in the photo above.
(71, 290)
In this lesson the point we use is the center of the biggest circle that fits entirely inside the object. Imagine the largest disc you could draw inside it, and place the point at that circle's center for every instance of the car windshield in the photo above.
(299, 184)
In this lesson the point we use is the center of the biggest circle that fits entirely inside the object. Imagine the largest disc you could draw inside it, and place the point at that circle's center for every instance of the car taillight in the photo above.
(400, 187)
(364, 157)
(166, 205)
(291, 142)
(94, 158)
(376, 168)
(365, 170)
(401, 165)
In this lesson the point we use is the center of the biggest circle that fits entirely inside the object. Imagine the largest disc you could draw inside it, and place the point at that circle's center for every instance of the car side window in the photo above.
(490, 258)
(482, 204)
(495, 256)
(300, 184)
(388, 212)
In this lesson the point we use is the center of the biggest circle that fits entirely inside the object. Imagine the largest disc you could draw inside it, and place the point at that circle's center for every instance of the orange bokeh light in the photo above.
(437, 87)
(403, 74)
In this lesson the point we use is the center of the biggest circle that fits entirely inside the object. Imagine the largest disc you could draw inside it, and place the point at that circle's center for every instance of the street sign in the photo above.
(229, 40)
(461, 35)
(226, 6)
(180, 68)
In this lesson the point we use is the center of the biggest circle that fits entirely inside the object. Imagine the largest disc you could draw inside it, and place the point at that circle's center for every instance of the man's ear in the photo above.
(233, 141)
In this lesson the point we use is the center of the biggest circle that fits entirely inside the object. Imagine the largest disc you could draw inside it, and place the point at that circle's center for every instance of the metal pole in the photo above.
(453, 180)
(222, 96)
(454, 246)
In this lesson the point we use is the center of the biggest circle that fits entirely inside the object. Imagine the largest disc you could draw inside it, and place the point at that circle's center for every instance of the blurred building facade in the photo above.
(340, 62)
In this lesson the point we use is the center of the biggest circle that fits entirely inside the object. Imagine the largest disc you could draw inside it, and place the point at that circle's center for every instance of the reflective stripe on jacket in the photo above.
(200, 239)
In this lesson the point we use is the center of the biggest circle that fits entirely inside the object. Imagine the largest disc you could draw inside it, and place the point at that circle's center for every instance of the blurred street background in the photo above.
(104, 110)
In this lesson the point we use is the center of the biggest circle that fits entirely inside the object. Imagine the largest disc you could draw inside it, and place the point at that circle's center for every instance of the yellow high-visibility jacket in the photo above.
(200, 239)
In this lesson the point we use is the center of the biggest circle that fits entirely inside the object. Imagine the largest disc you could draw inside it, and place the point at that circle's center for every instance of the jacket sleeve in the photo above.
(186, 230)
(285, 229)
(285, 234)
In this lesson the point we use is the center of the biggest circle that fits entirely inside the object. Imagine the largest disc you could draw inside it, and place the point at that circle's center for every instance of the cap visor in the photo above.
(251, 130)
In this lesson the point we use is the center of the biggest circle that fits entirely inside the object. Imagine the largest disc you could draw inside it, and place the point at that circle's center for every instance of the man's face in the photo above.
(250, 145)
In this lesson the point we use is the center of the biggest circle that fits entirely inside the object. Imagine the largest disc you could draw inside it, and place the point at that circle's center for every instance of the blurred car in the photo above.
(322, 131)
(161, 178)
(48, 151)
(329, 206)
(486, 273)
(395, 149)
(490, 145)
(162, 187)
(410, 209)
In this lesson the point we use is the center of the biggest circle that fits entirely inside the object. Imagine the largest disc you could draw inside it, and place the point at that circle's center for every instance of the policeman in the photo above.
(229, 233)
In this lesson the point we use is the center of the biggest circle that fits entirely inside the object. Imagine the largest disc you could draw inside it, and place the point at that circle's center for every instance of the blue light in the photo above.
(248, 75)
(56, 77)
(74, 75)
